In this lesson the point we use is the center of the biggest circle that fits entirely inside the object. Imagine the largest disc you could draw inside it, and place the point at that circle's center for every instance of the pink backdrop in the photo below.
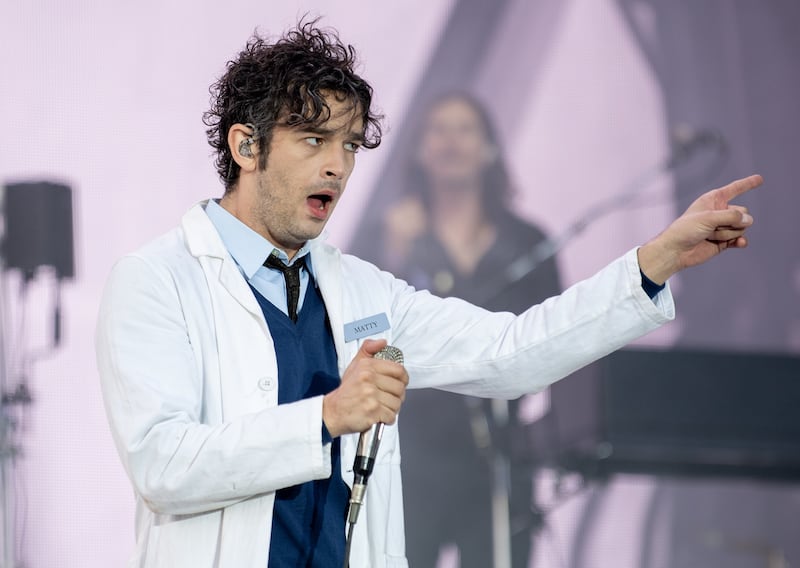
(109, 96)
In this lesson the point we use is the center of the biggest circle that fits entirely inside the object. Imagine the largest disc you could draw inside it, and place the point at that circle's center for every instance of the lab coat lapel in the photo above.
(328, 274)
(203, 240)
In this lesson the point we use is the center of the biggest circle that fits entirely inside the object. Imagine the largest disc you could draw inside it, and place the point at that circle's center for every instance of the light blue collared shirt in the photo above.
(250, 250)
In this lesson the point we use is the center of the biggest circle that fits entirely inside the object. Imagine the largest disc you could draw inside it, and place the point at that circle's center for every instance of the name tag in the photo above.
(365, 327)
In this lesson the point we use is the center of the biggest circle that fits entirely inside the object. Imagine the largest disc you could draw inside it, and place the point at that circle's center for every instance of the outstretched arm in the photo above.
(708, 227)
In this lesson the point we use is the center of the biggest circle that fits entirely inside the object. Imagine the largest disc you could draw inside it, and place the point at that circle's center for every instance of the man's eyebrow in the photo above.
(352, 136)
(316, 130)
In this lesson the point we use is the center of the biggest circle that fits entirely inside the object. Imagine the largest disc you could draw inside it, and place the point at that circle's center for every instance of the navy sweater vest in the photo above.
(308, 522)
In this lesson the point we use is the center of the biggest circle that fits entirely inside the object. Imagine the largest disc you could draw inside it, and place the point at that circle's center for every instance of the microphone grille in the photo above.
(390, 353)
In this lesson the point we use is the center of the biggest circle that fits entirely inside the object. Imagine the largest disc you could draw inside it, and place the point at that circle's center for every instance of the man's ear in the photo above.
(244, 148)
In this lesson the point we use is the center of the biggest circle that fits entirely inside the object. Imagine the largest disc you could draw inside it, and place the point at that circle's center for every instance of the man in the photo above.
(236, 399)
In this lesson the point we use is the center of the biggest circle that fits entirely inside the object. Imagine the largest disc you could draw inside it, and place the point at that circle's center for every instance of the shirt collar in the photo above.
(248, 248)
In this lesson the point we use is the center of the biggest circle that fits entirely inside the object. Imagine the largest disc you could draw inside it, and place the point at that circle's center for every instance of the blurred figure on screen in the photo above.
(454, 233)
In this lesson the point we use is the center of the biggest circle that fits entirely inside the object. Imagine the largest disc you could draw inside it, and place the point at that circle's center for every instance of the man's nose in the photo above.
(336, 163)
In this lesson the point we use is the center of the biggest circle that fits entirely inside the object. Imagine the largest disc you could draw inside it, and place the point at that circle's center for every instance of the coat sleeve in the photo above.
(453, 345)
(179, 460)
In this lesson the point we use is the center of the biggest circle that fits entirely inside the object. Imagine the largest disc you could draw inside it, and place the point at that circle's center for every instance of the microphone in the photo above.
(686, 140)
(368, 444)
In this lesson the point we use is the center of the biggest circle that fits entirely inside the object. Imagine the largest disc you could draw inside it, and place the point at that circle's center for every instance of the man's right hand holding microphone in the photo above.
(372, 391)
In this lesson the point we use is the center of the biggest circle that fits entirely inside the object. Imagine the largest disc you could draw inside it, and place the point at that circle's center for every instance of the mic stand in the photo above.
(680, 155)
(499, 473)
(498, 459)
(501, 491)
(548, 248)
(499, 463)
(8, 450)
(19, 398)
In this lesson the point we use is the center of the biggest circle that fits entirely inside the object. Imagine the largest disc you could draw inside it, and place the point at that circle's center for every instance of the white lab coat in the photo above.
(189, 378)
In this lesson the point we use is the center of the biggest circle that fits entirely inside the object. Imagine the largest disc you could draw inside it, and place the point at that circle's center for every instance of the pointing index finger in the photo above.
(740, 187)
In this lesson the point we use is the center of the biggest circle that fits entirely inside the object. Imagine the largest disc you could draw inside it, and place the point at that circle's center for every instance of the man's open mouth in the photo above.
(319, 201)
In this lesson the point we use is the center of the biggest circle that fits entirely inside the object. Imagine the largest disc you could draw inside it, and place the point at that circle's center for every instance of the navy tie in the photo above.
(291, 275)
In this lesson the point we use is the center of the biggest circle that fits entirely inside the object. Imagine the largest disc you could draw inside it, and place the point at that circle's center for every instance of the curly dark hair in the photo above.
(282, 83)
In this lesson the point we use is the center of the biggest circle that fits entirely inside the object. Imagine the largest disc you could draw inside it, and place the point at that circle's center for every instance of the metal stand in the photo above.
(12, 405)
(6, 484)
(501, 491)
(685, 146)
(7, 453)
(42, 209)
(500, 474)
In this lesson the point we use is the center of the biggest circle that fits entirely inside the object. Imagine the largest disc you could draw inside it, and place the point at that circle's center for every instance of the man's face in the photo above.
(306, 173)
(454, 149)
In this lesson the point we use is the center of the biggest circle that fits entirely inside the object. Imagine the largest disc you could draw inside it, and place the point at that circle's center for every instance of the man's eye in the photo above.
(314, 140)
(352, 147)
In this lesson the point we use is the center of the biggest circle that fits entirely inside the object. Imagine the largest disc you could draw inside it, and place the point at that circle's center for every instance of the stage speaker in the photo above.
(38, 227)
(679, 412)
